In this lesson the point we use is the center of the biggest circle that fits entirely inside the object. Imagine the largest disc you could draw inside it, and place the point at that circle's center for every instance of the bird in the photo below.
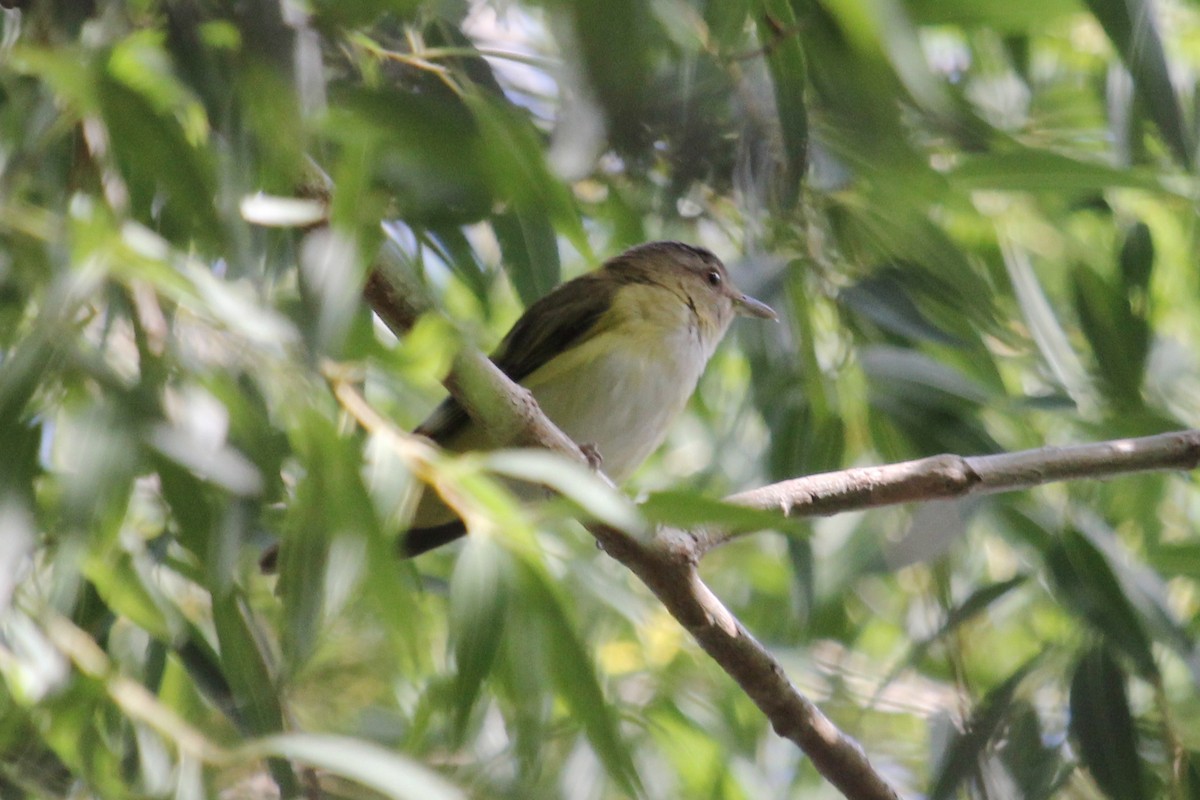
(611, 357)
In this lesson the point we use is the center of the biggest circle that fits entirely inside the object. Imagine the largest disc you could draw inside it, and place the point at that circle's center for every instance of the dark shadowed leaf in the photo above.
(1102, 725)
(1119, 338)
(1137, 256)
(961, 759)
(1085, 581)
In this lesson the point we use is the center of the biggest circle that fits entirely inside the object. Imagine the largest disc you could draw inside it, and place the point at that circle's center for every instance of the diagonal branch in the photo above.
(667, 565)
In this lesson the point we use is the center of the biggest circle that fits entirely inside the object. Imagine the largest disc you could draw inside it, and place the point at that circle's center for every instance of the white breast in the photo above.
(621, 394)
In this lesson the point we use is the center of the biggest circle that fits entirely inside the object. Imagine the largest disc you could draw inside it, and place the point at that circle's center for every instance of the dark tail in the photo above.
(414, 543)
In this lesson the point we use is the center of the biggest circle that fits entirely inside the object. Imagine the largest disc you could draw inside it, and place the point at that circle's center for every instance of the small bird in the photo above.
(611, 358)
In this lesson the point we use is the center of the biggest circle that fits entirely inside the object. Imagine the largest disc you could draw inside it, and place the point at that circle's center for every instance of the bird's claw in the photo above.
(592, 454)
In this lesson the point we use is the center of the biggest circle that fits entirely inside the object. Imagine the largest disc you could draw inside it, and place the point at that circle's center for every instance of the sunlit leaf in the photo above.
(388, 773)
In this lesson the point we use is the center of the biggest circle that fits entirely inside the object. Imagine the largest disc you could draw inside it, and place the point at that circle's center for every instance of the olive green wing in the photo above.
(563, 319)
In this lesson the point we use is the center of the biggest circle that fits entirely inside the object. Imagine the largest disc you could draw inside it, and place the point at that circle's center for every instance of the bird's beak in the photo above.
(747, 306)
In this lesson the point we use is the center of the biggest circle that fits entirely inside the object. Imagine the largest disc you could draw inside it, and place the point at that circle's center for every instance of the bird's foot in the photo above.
(592, 454)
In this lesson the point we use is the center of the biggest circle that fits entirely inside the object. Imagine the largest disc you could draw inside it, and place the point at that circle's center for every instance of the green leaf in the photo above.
(570, 666)
(256, 706)
(1103, 726)
(962, 756)
(1137, 256)
(977, 602)
(515, 160)
(1034, 756)
(424, 148)
(1088, 586)
(621, 83)
(171, 182)
(530, 250)
(1130, 24)
(375, 767)
(785, 60)
(574, 481)
(687, 509)
(1119, 338)
(1030, 170)
(478, 601)
(456, 251)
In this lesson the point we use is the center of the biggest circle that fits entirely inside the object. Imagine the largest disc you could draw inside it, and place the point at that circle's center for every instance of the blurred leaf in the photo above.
(777, 28)
(514, 157)
(689, 509)
(1130, 24)
(256, 709)
(170, 181)
(977, 602)
(1119, 338)
(1044, 325)
(426, 150)
(573, 481)
(375, 767)
(961, 759)
(888, 304)
(1030, 170)
(570, 666)
(1137, 256)
(999, 14)
(457, 252)
(620, 83)
(1102, 725)
(1176, 559)
(1033, 755)
(530, 251)
(1085, 581)
(478, 599)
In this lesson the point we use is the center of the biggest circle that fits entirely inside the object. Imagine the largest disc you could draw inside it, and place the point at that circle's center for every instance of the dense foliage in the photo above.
(977, 218)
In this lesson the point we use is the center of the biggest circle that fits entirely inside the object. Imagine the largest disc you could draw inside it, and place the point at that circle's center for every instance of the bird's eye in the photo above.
(714, 278)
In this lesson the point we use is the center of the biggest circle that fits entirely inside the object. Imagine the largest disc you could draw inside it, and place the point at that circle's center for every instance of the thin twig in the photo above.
(949, 476)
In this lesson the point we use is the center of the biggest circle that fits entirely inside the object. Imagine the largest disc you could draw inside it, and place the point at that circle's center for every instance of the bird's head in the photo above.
(672, 280)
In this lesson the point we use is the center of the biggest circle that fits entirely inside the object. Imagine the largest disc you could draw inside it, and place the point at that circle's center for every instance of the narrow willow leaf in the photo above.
(687, 509)
(1043, 323)
(256, 705)
(388, 773)
(1119, 338)
(961, 758)
(1085, 581)
(478, 601)
(570, 665)
(1030, 170)
(573, 481)
(785, 60)
(1103, 726)
(530, 251)
(1137, 256)
(1130, 24)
